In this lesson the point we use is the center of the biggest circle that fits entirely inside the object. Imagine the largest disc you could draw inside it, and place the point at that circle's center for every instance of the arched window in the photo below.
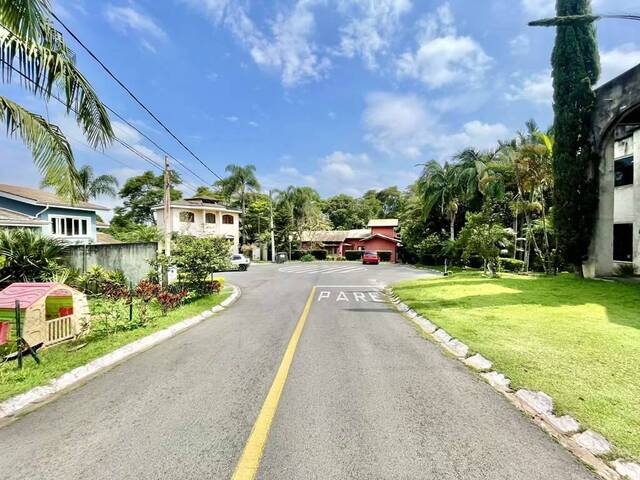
(187, 217)
(227, 219)
(210, 218)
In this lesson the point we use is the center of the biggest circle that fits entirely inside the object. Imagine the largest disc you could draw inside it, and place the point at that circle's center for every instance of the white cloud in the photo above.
(341, 166)
(619, 60)
(520, 45)
(232, 119)
(127, 19)
(371, 27)
(253, 124)
(286, 46)
(538, 88)
(442, 56)
(403, 125)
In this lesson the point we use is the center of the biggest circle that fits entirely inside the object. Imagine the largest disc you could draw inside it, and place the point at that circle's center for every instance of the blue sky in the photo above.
(341, 95)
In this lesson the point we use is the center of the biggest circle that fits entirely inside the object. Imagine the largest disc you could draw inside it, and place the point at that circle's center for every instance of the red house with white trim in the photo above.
(380, 236)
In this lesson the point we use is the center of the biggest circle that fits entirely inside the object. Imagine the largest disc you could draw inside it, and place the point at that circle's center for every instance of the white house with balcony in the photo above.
(201, 217)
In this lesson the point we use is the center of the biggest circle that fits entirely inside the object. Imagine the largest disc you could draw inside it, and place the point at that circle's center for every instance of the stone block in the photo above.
(478, 362)
(539, 402)
(457, 348)
(497, 381)
(565, 424)
(442, 336)
(594, 442)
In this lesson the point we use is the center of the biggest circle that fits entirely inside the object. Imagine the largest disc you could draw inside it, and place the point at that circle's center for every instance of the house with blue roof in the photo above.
(23, 207)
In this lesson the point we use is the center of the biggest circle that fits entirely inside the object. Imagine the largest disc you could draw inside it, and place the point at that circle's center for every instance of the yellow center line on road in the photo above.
(250, 459)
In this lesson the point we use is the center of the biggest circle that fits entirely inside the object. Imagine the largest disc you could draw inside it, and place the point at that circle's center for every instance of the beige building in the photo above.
(617, 233)
(201, 217)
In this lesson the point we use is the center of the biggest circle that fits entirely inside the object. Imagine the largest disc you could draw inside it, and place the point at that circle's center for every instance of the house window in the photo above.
(227, 219)
(187, 217)
(210, 218)
(624, 171)
(623, 242)
(69, 226)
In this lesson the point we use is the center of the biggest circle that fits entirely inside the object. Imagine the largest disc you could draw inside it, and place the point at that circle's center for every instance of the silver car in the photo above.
(240, 261)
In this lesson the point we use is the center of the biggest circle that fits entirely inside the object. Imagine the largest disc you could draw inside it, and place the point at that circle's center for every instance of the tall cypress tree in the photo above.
(576, 68)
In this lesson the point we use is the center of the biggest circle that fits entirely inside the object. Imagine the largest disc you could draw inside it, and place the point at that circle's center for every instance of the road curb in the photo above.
(586, 445)
(23, 402)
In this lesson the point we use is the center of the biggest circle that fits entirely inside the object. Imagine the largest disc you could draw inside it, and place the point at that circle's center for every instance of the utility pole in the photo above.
(167, 208)
(273, 236)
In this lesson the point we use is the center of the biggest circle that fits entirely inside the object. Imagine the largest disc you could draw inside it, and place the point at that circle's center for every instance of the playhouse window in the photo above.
(187, 217)
(227, 219)
(210, 218)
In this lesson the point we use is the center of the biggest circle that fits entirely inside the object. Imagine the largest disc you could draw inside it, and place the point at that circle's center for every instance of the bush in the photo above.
(297, 254)
(147, 291)
(197, 258)
(510, 265)
(99, 281)
(625, 270)
(28, 255)
(168, 300)
(307, 258)
(385, 255)
(319, 254)
(112, 316)
(353, 255)
(336, 258)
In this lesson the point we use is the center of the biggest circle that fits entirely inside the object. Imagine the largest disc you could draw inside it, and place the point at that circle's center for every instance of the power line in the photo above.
(131, 94)
(184, 165)
(126, 145)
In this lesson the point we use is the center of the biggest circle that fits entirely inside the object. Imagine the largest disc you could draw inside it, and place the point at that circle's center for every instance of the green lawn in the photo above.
(58, 360)
(577, 340)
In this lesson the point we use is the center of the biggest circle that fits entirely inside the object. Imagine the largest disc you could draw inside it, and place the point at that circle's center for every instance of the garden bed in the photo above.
(576, 340)
(60, 359)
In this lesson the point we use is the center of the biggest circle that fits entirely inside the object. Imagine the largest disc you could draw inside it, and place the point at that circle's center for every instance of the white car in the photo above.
(240, 261)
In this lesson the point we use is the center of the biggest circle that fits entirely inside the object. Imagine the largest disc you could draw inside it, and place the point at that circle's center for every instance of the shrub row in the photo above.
(510, 265)
(317, 254)
(353, 255)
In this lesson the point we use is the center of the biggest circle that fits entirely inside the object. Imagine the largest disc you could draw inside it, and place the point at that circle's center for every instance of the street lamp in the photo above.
(570, 20)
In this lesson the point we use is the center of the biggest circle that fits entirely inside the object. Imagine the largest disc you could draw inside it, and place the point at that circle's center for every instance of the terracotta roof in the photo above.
(384, 222)
(40, 197)
(379, 235)
(10, 217)
(29, 293)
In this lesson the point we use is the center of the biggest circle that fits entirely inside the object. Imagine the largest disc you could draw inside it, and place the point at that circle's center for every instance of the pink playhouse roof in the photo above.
(29, 293)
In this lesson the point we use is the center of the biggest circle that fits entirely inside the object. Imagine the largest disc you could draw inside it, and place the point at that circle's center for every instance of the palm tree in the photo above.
(303, 205)
(89, 186)
(32, 49)
(440, 186)
(241, 180)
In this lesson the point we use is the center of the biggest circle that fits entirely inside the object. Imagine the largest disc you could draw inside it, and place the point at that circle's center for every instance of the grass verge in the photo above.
(60, 359)
(577, 340)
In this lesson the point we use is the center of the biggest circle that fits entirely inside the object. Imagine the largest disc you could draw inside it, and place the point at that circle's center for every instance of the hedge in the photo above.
(319, 254)
(510, 265)
(353, 254)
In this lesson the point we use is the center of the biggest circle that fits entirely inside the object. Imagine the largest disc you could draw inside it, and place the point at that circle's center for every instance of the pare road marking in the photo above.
(342, 296)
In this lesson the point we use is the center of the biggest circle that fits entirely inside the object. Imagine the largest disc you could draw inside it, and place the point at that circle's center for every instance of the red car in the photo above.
(370, 258)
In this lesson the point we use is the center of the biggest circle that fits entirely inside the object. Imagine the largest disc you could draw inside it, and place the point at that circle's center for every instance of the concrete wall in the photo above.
(132, 258)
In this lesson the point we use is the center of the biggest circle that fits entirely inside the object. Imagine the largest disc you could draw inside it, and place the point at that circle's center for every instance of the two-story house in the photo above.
(201, 217)
(23, 207)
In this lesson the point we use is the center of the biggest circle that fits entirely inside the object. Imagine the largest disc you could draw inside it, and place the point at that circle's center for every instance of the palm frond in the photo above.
(51, 151)
(43, 68)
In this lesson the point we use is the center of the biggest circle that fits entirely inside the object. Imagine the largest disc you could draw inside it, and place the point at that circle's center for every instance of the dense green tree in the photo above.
(139, 195)
(391, 202)
(239, 182)
(299, 209)
(344, 212)
(89, 186)
(257, 219)
(576, 69)
(203, 191)
(30, 44)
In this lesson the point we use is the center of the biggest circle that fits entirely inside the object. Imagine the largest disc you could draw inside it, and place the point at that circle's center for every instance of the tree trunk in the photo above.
(452, 228)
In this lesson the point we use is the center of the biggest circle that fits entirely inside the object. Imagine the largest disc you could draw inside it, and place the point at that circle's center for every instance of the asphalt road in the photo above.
(365, 398)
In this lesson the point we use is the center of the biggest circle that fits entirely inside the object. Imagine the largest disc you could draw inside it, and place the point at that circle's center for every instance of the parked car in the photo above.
(240, 261)
(370, 258)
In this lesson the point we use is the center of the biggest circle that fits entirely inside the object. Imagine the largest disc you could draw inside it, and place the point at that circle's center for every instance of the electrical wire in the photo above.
(130, 93)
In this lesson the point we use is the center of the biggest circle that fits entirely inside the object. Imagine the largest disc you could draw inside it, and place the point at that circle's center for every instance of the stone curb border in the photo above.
(20, 403)
(586, 445)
